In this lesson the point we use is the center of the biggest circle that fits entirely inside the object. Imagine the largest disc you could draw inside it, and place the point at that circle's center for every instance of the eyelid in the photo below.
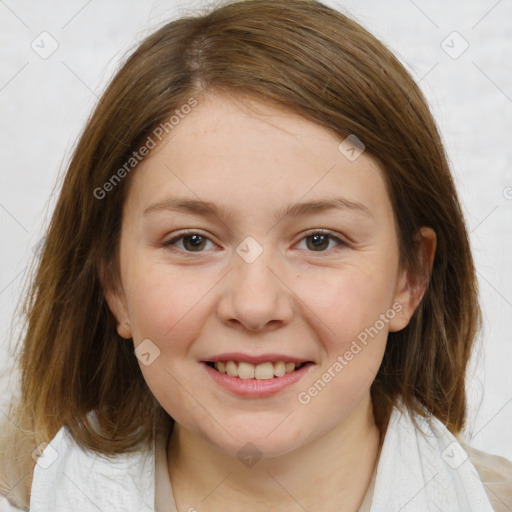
(322, 231)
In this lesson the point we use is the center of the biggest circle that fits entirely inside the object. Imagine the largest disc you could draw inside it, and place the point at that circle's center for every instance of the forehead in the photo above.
(250, 156)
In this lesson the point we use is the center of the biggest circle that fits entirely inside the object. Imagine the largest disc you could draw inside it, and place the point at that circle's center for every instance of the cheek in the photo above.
(352, 320)
(352, 313)
(168, 307)
(164, 302)
(350, 300)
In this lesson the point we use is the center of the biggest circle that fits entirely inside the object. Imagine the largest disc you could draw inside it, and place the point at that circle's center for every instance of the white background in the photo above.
(44, 104)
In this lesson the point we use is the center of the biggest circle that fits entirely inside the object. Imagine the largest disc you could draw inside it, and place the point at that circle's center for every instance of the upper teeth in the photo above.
(260, 371)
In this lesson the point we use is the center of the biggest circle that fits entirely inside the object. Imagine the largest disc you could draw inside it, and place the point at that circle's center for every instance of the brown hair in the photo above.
(318, 63)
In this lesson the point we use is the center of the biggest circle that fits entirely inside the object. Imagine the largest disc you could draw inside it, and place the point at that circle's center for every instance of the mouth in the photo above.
(260, 379)
(269, 370)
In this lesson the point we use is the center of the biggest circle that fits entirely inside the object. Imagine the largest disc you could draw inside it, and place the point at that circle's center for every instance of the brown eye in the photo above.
(196, 242)
(319, 241)
(193, 242)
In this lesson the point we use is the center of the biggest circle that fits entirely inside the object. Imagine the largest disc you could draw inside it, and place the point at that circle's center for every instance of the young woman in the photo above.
(256, 290)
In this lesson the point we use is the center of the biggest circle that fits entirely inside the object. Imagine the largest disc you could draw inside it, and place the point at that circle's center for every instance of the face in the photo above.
(250, 280)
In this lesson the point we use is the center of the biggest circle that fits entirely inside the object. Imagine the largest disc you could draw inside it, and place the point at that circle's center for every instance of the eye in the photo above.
(195, 241)
(320, 240)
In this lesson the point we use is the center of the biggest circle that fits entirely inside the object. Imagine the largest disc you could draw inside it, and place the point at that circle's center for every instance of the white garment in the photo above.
(67, 478)
(418, 471)
(425, 471)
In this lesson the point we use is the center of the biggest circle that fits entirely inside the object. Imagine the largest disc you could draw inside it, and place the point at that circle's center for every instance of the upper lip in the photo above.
(255, 359)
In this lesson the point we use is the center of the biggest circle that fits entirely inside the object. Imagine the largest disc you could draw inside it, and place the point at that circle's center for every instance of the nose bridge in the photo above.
(255, 295)
(252, 268)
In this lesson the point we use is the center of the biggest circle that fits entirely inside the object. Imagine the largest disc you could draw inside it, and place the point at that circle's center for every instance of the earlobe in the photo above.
(118, 309)
(401, 304)
(411, 286)
(117, 305)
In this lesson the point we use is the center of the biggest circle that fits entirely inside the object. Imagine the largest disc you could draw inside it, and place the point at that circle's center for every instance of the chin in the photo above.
(258, 443)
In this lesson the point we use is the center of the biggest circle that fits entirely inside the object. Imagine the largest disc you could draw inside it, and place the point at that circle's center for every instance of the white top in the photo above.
(418, 470)
(494, 471)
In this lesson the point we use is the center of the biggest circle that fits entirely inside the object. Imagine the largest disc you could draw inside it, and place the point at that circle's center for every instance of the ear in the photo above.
(116, 303)
(411, 286)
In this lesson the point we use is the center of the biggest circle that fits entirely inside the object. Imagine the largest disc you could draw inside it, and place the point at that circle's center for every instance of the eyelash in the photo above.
(172, 241)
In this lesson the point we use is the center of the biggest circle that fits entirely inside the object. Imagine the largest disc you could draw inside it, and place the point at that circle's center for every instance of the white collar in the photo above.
(425, 470)
(417, 471)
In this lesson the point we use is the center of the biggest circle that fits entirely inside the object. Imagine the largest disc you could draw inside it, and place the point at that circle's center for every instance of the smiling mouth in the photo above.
(262, 371)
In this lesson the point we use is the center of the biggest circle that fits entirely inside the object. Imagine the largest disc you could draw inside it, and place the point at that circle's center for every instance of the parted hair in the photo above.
(298, 54)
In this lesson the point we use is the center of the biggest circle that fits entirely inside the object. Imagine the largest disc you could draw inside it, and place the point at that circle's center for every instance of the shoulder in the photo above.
(495, 472)
(444, 465)
(66, 474)
(17, 446)
(7, 506)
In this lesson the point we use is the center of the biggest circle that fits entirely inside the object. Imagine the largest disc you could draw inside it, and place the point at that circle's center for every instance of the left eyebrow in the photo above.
(209, 209)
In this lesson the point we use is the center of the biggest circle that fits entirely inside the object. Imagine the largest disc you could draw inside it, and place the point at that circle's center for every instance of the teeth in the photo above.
(232, 369)
(262, 371)
(246, 371)
(279, 369)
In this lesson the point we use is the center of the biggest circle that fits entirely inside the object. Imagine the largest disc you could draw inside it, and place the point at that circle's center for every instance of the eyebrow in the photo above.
(209, 209)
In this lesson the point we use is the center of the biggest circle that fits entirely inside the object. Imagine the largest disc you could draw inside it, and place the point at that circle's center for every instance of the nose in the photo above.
(255, 295)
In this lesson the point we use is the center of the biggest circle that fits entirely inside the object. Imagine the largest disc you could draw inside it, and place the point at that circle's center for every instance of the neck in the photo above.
(339, 465)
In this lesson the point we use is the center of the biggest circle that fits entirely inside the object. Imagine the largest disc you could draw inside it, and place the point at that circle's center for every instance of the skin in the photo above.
(293, 299)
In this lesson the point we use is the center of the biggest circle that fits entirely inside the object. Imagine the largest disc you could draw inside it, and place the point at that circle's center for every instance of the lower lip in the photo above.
(257, 388)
